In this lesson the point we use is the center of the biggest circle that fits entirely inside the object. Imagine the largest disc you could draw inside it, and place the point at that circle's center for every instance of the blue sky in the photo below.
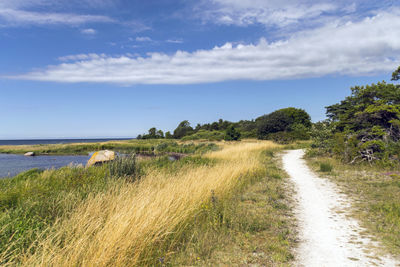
(104, 68)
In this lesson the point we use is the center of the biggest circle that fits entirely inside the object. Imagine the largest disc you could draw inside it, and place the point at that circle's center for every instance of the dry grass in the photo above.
(132, 224)
(257, 228)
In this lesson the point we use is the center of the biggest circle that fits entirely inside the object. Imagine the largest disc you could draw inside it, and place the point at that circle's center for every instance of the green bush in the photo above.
(231, 134)
(205, 135)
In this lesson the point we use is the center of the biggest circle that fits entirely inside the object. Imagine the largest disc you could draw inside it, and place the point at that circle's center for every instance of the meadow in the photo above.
(161, 212)
(125, 146)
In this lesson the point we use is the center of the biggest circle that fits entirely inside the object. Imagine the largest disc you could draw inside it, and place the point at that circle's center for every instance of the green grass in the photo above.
(325, 167)
(376, 197)
(299, 144)
(129, 146)
(205, 135)
(251, 227)
(33, 200)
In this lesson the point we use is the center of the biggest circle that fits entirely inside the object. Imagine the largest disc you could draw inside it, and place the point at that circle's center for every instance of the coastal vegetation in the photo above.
(225, 201)
(283, 126)
(151, 214)
(149, 146)
(358, 147)
(364, 127)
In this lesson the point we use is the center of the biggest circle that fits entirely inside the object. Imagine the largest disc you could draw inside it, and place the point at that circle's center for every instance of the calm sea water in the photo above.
(55, 141)
(11, 165)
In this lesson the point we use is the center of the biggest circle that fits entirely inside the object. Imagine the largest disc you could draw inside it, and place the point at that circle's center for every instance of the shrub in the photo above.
(205, 135)
(231, 134)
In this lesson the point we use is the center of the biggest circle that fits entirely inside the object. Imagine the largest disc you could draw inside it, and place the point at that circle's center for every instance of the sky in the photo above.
(115, 68)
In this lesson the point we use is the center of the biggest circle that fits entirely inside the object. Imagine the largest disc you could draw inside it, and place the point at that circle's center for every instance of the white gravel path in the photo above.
(328, 237)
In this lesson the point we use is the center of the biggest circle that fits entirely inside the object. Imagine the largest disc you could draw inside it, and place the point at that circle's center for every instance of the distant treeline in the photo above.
(282, 125)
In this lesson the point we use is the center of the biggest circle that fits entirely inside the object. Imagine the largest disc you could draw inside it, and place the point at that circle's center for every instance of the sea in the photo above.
(55, 141)
(11, 165)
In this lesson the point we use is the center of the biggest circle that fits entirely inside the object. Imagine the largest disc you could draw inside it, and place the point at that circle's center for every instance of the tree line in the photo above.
(283, 125)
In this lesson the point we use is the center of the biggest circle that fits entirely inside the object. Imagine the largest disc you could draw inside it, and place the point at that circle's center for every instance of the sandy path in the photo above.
(327, 236)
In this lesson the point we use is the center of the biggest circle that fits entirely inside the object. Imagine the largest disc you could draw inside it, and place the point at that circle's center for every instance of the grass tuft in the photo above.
(325, 167)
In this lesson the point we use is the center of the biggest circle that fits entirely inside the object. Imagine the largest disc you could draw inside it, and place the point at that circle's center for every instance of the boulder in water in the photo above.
(100, 157)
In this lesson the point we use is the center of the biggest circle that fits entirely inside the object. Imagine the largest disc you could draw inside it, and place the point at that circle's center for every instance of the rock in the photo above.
(100, 157)
(29, 154)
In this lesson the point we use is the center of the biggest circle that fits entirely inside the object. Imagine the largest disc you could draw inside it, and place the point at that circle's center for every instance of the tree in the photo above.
(396, 75)
(366, 124)
(214, 126)
(183, 129)
(282, 120)
(231, 134)
(152, 134)
(168, 135)
(159, 134)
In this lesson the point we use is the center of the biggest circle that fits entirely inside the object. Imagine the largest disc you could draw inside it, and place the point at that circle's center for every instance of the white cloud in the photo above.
(82, 57)
(354, 48)
(282, 13)
(88, 31)
(143, 39)
(267, 12)
(17, 17)
(174, 41)
(61, 4)
(20, 13)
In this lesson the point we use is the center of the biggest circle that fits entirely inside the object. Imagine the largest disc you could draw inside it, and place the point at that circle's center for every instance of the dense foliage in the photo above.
(205, 135)
(152, 134)
(365, 126)
(231, 134)
(283, 125)
(183, 129)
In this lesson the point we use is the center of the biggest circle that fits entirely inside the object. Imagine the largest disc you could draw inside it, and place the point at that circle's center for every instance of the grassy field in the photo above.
(125, 146)
(258, 228)
(167, 213)
(375, 193)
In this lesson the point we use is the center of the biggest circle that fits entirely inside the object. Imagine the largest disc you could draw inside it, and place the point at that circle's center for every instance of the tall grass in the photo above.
(32, 201)
(124, 166)
(136, 223)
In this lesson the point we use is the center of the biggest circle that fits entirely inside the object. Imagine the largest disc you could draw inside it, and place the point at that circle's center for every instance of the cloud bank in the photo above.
(281, 13)
(267, 12)
(369, 46)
